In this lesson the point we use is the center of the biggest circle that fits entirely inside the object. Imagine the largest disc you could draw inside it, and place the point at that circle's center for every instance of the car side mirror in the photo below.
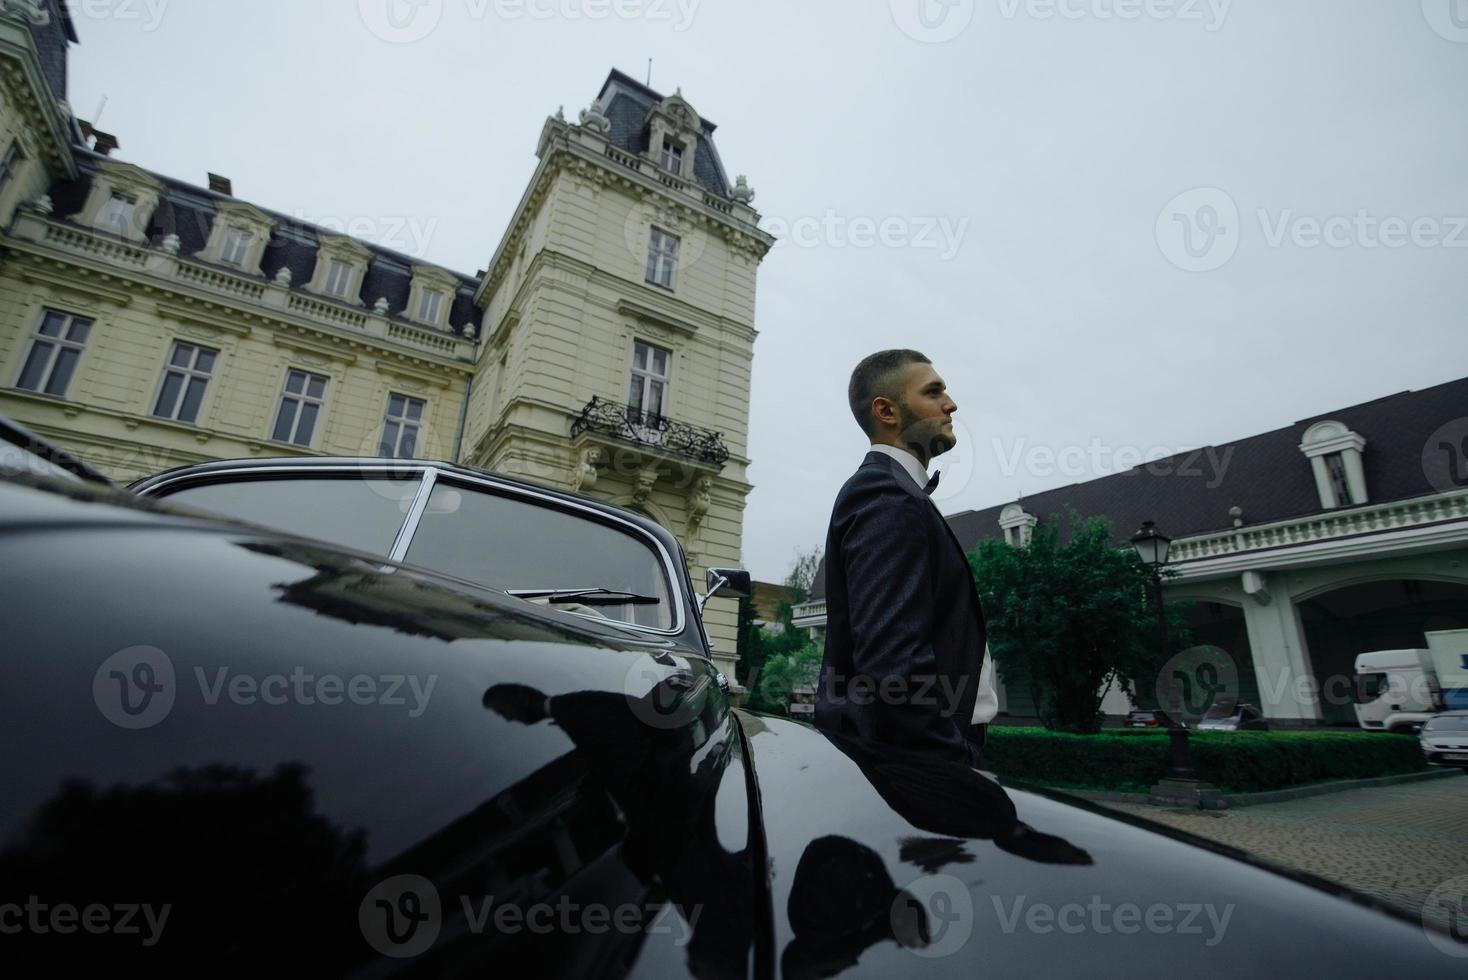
(733, 582)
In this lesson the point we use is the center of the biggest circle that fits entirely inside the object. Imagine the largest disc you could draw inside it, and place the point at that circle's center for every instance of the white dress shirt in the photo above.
(986, 704)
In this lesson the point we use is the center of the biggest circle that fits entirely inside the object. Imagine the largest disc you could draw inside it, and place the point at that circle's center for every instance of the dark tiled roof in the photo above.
(1265, 475)
(626, 103)
(51, 39)
(188, 211)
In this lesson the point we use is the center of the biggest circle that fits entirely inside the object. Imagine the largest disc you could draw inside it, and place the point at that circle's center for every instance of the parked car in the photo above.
(1232, 718)
(233, 749)
(531, 541)
(1147, 718)
(1444, 739)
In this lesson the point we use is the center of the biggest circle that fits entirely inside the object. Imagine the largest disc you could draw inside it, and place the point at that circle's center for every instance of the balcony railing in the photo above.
(655, 431)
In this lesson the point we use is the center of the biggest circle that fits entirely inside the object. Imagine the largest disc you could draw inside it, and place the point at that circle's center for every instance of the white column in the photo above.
(1282, 668)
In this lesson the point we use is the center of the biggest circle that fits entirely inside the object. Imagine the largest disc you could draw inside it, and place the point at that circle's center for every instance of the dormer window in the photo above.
(121, 201)
(672, 157)
(117, 213)
(1334, 452)
(236, 246)
(431, 295)
(1017, 525)
(338, 277)
(238, 236)
(341, 264)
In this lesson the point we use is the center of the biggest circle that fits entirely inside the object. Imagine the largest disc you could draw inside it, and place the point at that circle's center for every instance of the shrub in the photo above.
(1238, 762)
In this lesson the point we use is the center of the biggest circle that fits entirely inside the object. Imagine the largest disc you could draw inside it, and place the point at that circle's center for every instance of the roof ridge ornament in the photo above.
(594, 119)
(742, 192)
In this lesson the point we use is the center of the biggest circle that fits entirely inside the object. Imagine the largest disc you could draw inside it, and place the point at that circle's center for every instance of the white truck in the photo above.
(1398, 690)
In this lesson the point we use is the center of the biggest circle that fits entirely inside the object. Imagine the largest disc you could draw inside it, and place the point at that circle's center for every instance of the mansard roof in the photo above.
(627, 103)
(188, 211)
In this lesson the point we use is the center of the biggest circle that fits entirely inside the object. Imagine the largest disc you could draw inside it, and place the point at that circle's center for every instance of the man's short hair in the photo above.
(878, 374)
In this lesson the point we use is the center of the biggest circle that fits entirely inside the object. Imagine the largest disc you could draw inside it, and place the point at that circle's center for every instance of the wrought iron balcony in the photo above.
(654, 431)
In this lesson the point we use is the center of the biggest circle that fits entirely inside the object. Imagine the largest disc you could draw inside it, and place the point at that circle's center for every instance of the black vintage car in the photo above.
(232, 750)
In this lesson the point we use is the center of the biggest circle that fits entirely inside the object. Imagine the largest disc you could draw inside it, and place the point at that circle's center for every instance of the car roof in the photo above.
(307, 463)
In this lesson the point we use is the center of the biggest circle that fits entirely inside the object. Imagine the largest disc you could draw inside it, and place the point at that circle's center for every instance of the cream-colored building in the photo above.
(147, 322)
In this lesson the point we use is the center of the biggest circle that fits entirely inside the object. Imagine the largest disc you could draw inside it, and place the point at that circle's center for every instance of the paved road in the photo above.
(1394, 842)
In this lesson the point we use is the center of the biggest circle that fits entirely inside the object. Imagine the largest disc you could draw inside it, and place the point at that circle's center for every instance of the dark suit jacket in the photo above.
(904, 628)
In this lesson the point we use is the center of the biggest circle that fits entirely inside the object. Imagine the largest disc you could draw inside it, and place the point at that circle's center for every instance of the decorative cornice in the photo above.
(82, 284)
(335, 352)
(402, 370)
(31, 95)
(203, 314)
(648, 315)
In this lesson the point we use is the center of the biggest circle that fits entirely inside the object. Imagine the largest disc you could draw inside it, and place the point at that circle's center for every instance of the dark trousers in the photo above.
(974, 736)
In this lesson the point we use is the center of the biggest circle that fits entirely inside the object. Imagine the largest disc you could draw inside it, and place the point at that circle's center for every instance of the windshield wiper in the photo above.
(587, 597)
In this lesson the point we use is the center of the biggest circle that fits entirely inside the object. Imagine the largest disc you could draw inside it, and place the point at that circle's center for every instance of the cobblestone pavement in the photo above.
(1395, 842)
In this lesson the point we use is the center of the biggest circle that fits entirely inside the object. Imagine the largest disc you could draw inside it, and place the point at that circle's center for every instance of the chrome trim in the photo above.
(379, 467)
(415, 514)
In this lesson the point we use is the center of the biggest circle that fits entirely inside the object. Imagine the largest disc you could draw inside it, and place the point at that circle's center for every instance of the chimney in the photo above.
(221, 185)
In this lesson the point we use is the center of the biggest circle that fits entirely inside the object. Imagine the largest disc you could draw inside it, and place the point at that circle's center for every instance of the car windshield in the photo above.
(363, 514)
(1450, 723)
(1220, 711)
(520, 545)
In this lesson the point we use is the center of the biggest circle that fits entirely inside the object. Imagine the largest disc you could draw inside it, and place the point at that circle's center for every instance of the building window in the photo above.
(647, 393)
(117, 213)
(672, 157)
(338, 276)
(300, 407)
(662, 258)
(400, 427)
(182, 392)
(236, 246)
(1335, 465)
(55, 349)
(430, 304)
(9, 164)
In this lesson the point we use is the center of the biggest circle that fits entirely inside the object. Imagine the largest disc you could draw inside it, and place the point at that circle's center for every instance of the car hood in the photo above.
(904, 866)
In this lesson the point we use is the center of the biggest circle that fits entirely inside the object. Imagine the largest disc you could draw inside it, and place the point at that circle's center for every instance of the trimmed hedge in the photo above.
(1240, 762)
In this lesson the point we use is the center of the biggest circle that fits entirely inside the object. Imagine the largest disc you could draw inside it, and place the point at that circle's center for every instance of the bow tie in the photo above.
(932, 484)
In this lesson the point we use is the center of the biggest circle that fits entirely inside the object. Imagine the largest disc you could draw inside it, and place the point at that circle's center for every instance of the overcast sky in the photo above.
(1120, 228)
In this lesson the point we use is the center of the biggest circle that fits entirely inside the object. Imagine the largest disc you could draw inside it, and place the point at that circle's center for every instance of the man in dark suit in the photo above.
(906, 661)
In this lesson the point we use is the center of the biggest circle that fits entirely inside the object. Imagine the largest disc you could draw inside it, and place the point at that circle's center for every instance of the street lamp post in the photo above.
(1152, 547)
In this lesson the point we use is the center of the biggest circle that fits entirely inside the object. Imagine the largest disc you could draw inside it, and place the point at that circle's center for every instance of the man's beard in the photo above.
(927, 434)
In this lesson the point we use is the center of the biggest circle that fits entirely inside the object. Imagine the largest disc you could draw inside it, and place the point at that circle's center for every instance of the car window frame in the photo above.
(428, 476)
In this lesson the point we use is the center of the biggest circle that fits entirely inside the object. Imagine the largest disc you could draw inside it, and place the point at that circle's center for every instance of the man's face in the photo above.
(925, 414)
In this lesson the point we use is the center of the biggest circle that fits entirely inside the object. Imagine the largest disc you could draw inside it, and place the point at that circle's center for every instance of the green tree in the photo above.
(1071, 620)
(758, 647)
(772, 690)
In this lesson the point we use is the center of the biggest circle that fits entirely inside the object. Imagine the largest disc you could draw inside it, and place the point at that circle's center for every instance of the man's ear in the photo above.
(884, 410)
